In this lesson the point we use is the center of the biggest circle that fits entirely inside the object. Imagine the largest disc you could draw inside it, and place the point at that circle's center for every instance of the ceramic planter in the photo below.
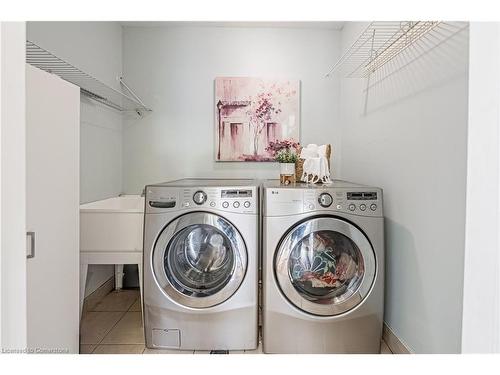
(287, 173)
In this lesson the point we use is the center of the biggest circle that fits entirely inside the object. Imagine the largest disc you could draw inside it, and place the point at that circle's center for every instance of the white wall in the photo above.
(12, 186)
(95, 48)
(481, 312)
(408, 135)
(173, 70)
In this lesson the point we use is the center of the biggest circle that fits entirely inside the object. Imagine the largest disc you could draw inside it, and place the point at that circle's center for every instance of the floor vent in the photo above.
(219, 351)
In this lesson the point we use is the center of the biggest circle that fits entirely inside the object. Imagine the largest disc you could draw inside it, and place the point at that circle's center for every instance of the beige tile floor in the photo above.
(113, 325)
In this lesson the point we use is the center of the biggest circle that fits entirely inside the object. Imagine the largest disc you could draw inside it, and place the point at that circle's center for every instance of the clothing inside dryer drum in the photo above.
(326, 267)
(199, 260)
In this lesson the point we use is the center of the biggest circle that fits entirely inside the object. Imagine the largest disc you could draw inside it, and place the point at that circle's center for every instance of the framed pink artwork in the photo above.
(252, 112)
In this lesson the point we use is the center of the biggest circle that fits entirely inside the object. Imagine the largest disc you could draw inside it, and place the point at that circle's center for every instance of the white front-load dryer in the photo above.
(323, 268)
(200, 265)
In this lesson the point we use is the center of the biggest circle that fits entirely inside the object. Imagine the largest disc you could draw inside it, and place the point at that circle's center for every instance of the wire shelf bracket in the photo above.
(380, 43)
(90, 86)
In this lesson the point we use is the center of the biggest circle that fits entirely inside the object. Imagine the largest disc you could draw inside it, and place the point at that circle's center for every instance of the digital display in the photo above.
(361, 195)
(162, 204)
(236, 194)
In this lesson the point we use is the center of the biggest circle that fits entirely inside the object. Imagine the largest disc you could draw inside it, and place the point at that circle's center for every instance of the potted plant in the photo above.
(285, 153)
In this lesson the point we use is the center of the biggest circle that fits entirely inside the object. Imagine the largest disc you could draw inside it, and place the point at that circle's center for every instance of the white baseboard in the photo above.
(394, 343)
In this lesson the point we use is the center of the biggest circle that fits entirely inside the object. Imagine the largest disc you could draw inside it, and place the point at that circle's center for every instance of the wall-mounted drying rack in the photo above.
(89, 86)
(382, 42)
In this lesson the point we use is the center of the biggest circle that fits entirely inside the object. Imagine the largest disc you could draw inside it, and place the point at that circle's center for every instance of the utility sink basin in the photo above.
(114, 224)
(111, 233)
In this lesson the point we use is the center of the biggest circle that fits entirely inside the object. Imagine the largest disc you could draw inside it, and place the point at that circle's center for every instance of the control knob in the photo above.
(199, 197)
(325, 200)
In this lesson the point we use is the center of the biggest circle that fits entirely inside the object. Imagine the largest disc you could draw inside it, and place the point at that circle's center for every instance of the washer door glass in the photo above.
(200, 260)
(325, 266)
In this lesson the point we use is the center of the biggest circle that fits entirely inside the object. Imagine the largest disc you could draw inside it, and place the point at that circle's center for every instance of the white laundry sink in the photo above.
(111, 233)
(114, 224)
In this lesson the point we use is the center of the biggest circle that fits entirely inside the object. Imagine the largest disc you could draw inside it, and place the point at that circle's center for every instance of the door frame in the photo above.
(13, 186)
(481, 297)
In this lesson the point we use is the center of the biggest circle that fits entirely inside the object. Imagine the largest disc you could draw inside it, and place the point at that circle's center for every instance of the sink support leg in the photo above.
(119, 276)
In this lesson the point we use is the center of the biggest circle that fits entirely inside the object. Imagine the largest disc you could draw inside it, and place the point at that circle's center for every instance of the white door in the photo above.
(52, 211)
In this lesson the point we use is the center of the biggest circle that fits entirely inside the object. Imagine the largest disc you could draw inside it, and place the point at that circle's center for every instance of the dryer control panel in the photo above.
(229, 199)
(281, 201)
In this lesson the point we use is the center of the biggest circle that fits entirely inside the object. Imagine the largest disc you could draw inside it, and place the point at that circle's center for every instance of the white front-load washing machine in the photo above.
(200, 265)
(323, 268)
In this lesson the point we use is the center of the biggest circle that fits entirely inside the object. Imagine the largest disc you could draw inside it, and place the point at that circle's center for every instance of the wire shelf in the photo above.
(89, 86)
(382, 42)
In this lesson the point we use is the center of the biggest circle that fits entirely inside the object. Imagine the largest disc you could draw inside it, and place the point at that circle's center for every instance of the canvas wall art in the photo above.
(252, 112)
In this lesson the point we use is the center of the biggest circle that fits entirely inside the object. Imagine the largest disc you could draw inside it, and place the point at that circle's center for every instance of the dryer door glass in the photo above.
(325, 266)
(199, 260)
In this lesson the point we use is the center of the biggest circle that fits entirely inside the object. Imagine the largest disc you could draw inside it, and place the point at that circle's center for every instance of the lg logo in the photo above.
(274, 192)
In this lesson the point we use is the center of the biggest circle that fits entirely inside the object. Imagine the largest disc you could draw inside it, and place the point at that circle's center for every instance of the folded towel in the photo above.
(315, 164)
(322, 150)
(310, 151)
(307, 153)
(313, 147)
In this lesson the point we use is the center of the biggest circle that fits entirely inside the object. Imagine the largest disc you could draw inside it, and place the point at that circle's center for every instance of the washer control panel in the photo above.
(364, 203)
(289, 201)
(240, 200)
(236, 200)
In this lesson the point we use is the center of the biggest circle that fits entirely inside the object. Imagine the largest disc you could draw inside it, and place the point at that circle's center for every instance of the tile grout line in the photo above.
(388, 347)
(143, 350)
(119, 320)
(133, 303)
(128, 308)
(107, 333)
